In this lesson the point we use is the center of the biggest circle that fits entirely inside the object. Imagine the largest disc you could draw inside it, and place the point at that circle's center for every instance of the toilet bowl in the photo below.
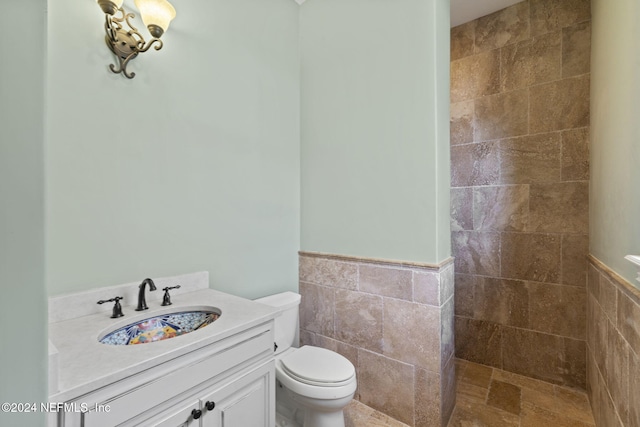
(315, 382)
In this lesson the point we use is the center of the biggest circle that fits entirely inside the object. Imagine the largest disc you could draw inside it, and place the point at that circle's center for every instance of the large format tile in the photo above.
(402, 320)
(575, 154)
(328, 272)
(502, 301)
(462, 40)
(461, 209)
(529, 159)
(503, 27)
(561, 207)
(576, 49)
(575, 248)
(551, 15)
(558, 105)
(461, 123)
(557, 309)
(358, 319)
(504, 396)
(479, 341)
(428, 395)
(472, 414)
(476, 252)
(377, 373)
(475, 164)
(533, 354)
(533, 257)
(531, 61)
(316, 309)
(501, 208)
(475, 76)
(386, 281)
(502, 115)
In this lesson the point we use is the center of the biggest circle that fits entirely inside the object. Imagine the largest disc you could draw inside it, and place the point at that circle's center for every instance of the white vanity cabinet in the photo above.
(228, 383)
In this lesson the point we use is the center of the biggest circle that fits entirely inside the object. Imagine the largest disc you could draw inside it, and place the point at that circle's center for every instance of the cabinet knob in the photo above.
(196, 413)
(210, 405)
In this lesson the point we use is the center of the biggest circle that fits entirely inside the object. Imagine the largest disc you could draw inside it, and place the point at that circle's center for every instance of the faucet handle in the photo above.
(166, 299)
(117, 308)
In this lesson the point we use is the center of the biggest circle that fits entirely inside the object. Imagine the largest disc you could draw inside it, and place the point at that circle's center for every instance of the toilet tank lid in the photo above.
(283, 300)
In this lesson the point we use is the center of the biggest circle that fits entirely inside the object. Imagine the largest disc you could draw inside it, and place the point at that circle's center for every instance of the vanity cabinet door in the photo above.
(247, 402)
(180, 415)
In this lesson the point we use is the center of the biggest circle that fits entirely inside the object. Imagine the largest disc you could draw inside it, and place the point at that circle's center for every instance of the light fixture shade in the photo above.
(110, 6)
(156, 12)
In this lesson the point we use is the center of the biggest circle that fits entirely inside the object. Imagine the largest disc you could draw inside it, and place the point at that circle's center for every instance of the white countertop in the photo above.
(84, 364)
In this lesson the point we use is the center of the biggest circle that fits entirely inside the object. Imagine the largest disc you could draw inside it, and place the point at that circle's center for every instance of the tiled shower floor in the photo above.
(488, 397)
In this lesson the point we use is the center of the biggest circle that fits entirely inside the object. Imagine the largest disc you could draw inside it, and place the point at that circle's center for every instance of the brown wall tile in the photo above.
(316, 309)
(575, 154)
(428, 397)
(475, 76)
(561, 207)
(533, 257)
(385, 281)
(328, 272)
(464, 296)
(476, 164)
(503, 27)
(551, 15)
(501, 208)
(617, 381)
(629, 321)
(575, 248)
(608, 299)
(383, 385)
(531, 62)
(462, 40)
(634, 390)
(559, 105)
(576, 49)
(502, 301)
(358, 319)
(502, 115)
(533, 354)
(529, 159)
(426, 288)
(461, 209)
(476, 252)
(461, 123)
(401, 321)
(558, 309)
(479, 341)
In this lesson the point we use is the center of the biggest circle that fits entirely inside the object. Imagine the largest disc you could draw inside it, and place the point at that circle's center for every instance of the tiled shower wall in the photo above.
(613, 348)
(394, 321)
(519, 164)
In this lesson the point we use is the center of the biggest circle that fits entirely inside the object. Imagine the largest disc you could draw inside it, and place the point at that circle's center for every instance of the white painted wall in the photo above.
(375, 128)
(23, 307)
(192, 165)
(615, 134)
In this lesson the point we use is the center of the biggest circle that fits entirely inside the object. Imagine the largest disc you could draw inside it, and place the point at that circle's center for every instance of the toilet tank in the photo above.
(287, 321)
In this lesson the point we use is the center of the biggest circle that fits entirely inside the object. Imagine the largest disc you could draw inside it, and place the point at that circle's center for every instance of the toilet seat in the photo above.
(318, 367)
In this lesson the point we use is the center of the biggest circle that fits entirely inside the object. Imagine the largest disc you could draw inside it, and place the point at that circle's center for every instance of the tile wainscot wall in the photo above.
(613, 347)
(520, 180)
(394, 322)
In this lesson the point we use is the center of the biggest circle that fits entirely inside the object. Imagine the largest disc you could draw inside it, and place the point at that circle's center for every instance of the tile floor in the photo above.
(488, 397)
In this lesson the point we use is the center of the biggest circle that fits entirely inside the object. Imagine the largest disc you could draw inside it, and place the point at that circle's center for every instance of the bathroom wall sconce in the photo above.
(127, 44)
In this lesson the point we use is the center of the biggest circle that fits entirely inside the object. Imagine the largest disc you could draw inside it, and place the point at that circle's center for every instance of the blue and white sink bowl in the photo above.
(160, 327)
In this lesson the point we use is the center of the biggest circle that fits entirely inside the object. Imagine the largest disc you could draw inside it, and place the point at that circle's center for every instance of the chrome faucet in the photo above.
(142, 302)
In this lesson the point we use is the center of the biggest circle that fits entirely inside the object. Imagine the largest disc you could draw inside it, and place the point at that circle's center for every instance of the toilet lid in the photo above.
(318, 366)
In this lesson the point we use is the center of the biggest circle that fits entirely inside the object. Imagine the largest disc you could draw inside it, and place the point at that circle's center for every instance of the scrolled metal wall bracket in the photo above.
(125, 43)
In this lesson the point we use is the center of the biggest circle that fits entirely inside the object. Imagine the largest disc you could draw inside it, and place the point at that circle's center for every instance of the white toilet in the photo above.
(313, 384)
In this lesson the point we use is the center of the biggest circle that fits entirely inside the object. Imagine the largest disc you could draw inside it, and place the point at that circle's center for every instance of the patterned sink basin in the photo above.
(160, 327)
